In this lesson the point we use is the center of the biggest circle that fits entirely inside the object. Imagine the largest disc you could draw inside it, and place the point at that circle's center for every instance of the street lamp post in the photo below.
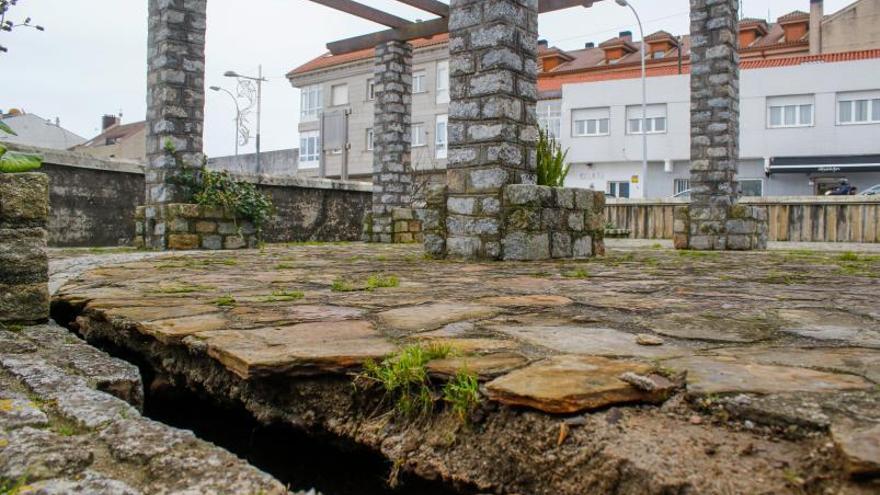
(625, 3)
(260, 80)
(237, 114)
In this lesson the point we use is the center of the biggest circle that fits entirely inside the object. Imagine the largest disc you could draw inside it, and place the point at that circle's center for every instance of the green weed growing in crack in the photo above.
(578, 273)
(11, 327)
(848, 256)
(13, 487)
(224, 301)
(462, 393)
(282, 295)
(404, 378)
(382, 281)
(373, 282)
(183, 288)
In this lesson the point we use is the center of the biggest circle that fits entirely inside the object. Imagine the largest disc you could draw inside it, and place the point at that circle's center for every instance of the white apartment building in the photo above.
(810, 103)
(803, 127)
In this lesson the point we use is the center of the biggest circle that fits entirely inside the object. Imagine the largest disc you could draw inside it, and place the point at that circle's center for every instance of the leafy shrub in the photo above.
(552, 169)
(12, 162)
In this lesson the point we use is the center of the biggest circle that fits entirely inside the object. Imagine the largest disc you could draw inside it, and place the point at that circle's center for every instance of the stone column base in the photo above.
(189, 226)
(535, 223)
(403, 227)
(24, 263)
(745, 229)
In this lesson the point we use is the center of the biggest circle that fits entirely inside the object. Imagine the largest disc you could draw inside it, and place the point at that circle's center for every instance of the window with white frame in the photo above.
(591, 122)
(655, 121)
(751, 187)
(418, 81)
(443, 82)
(339, 95)
(441, 143)
(371, 89)
(790, 111)
(550, 117)
(681, 185)
(311, 102)
(418, 135)
(618, 189)
(370, 138)
(309, 149)
(861, 107)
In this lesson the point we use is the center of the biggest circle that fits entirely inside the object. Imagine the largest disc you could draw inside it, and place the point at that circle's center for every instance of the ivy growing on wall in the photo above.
(218, 189)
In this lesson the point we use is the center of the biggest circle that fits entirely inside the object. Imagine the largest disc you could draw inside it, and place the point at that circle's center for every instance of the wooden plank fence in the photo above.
(792, 218)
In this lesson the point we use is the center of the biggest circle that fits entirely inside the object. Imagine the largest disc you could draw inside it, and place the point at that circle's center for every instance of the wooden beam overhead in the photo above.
(365, 12)
(413, 31)
(426, 29)
(432, 6)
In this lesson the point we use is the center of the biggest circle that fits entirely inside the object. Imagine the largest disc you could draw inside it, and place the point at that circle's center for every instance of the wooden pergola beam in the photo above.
(432, 6)
(365, 12)
(415, 30)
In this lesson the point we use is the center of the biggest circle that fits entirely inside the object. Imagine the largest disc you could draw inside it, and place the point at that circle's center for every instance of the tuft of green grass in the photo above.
(341, 285)
(462, 393)
(687, 253)
(848, 256)
(224, 301)
(285, 266)
(13, 487)
(382, 281)
(404, 377)
(12, 327)
(578, 273)
(783, 278)
(656, 245)
(284, 295)
(65, 430)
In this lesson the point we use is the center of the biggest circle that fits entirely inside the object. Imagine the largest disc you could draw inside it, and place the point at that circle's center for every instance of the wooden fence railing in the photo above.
(792, 218)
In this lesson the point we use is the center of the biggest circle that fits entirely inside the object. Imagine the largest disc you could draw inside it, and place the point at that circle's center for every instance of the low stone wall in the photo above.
(790, 218)
(24, 264)
(93, 202)
(744, 230)
(188, 226)
(543, 222)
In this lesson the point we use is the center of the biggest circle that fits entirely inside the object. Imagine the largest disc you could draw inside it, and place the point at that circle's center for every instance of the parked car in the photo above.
(872, 191)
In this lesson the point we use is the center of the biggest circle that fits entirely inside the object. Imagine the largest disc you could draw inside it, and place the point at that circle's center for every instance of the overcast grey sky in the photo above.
(91, 59)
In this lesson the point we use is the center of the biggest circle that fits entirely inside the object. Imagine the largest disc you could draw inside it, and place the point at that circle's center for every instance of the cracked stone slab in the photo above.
(173, 330)
(41, 454)
(725, 326)
(589, 340)
(831, 325)
(307, 348)
(139, 440)
(186, 472)
(485, 367)
(571, 384)
(856, 361)
(431, 316)
(715, 375)
(860, 447)
(533, 301)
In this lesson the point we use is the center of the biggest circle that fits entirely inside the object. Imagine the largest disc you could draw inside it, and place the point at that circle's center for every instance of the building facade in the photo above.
(821, 67)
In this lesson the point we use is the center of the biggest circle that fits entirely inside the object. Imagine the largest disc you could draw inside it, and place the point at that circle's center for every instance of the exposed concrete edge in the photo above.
(79, 160)
(772, 200)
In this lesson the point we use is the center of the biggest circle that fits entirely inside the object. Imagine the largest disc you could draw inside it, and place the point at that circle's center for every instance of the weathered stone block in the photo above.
(561, 245)
(212, 242)
(23, 258)
(528, 195)
(24, 200)
(206, 227)
(183, 241)
(24, 303)
(582, 247)
(234, 242)
(525, 246)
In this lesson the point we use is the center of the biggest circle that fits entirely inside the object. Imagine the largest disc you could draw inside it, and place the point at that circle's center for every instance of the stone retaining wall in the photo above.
(24, 265)
(541, 222)
(188, 226)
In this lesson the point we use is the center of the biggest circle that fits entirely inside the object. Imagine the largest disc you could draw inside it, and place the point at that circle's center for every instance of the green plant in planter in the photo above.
(552, 168)
(12, 162)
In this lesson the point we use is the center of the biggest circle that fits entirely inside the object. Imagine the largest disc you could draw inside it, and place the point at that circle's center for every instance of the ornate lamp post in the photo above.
(259, 80)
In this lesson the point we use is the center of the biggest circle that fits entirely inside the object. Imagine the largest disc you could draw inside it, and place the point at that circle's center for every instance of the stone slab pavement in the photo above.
(772, 340)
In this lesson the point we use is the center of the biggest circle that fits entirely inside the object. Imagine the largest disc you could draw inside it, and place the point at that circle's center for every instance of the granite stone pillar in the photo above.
(175, 94)
(24, 264)
(714, 121)
(392, 169)
(492, 121)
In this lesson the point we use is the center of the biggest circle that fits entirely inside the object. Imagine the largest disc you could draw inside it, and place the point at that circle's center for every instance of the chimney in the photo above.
(590, 44)
(817, 13)
(543, 44)
(626, 36)
(108, 121)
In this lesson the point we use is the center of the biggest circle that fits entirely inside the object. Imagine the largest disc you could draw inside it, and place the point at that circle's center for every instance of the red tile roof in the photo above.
(328, 60)
(549, 82)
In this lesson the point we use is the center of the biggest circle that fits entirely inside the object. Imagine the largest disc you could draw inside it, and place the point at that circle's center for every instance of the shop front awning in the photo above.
(823, 164)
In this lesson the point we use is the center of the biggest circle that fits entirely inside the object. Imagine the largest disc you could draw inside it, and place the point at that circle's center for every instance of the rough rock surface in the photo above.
(755, 417)
(69, 423)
